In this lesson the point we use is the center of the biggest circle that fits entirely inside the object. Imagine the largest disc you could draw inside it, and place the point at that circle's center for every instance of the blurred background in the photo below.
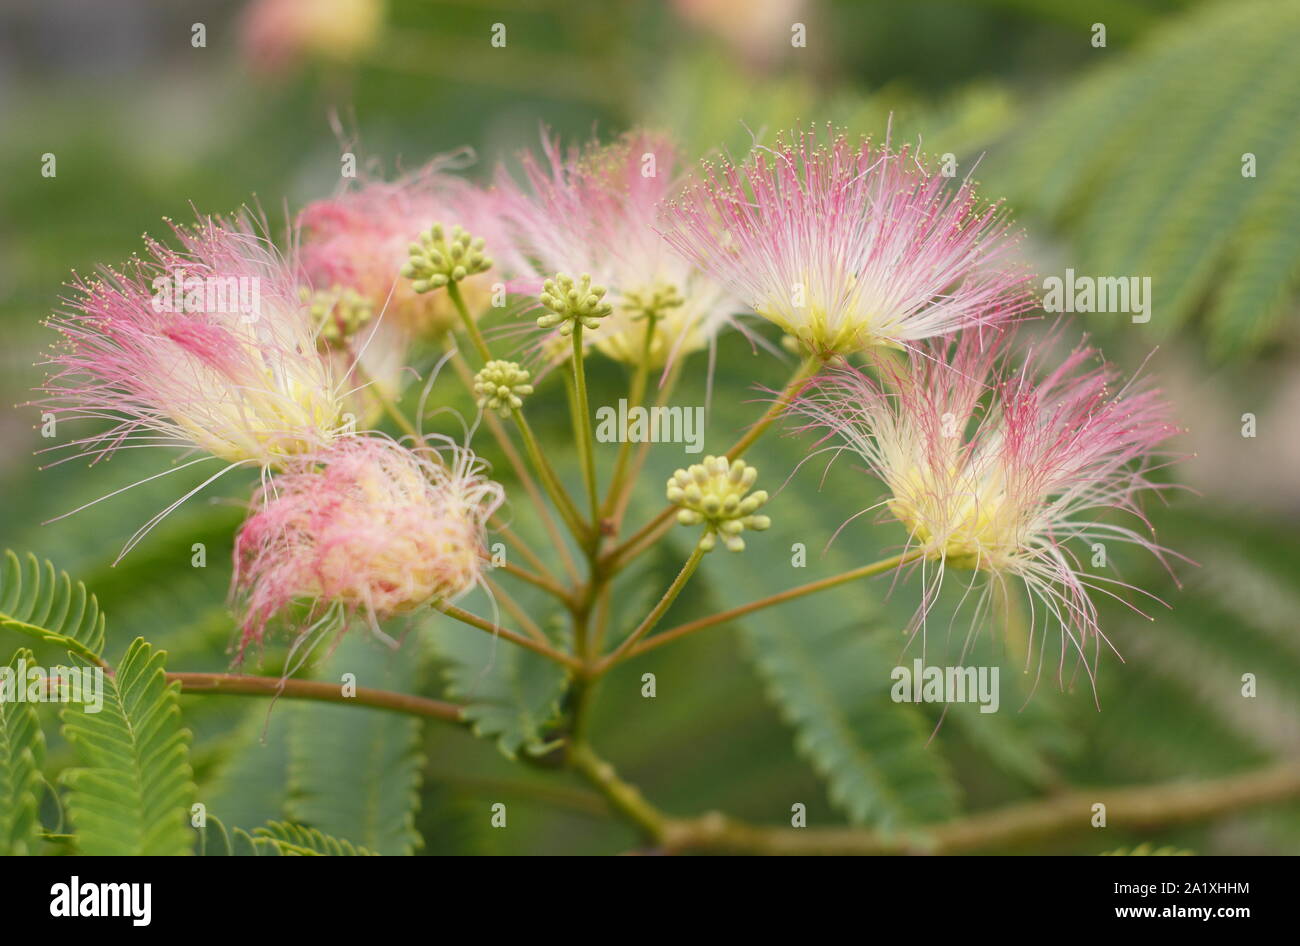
(1118, 159)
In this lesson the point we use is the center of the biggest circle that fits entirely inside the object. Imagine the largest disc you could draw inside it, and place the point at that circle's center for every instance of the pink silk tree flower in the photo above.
(360, 239)
(1001, 471)
(206, 347)
(367, 525)
(593, 211)
(846, 247)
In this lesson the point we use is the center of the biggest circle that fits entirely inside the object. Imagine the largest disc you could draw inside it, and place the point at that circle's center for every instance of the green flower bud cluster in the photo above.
(571, 302)
(713, 493)
(438, 259)
(338, 311)
(501, 386)
(654, 300)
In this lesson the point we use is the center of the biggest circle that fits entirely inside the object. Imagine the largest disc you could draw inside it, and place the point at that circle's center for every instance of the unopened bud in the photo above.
(713, 493)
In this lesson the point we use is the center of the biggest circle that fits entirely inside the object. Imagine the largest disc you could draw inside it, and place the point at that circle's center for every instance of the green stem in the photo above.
(509, 535)
(473, 620)
(239, 685)
(521, 471)
(866, 571)
(538, 581)
(475, 336)
(516, 611)
(636, 395)
(657, 612)
(624, 798)
(666, 389)
(586, 441)
(1145, 807)
(806, 370)
(618, 556)
(1137, 809)
(568, 512)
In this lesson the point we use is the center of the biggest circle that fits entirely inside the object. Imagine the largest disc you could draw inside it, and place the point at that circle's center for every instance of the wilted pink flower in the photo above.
(360, 239)
(846, 246)
(593, 210)
(1001, 471)
(368, 525)
(207, 347)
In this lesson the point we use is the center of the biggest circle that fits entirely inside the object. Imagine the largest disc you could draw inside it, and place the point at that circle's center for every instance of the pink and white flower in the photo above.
(359, 240)
(847, 247)
(1001, 471)
(208, 347)
(204, 348)
(594, 211)
(369, 525)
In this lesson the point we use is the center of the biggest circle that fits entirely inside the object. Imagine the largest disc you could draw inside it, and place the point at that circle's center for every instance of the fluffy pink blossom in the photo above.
(208, 346)
(593, 210)
(1000, 471)
(368, 525)
(846, 246)
(359, 240)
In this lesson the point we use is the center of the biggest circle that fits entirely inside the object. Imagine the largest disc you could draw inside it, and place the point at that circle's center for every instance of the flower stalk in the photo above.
(471, 329)
(722, 617)
(657, 612)
(585, 437)
(635, 399)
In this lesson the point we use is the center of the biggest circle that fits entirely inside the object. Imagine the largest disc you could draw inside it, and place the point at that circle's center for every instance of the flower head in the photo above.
(369, 525)
(847, 247)
(501, 386)
(571, 302)
(438, 258)
(594, 210)
(208, 347)
(1001, 471)
(716, 493)
(338, 312)
(361, 240)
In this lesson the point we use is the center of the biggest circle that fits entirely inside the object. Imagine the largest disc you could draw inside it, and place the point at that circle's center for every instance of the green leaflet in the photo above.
(216, 841)
(1245, 309)
(22, 752)
(250, 785)
(355, 772)
(1176, 707)
(297, 840)
(511, 694)
(1146, 849)
(43, 603)
(832, 684)
(133, 791)
(1140, 163)
(276, 838)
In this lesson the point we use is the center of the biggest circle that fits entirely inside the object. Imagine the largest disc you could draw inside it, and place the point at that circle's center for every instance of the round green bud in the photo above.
(651, 301)
(572, 302)
(501, 386)
(338, 311)
(439, 258)
(716, 494)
